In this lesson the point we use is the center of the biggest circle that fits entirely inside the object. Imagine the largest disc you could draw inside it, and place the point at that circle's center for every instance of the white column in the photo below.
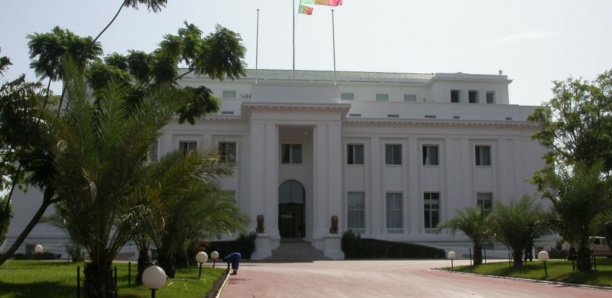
(320, 179)
(414, 192)
(270, 173)
(334, 167)
(257, 177)
(374, 199)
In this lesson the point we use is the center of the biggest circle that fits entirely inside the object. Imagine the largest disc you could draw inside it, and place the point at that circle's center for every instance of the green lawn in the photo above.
(20, 279)
(558, 270)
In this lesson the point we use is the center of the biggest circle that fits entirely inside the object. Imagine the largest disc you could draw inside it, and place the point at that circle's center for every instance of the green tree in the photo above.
(578, 196)
(576, 123)
(517, 224)
(101, 149)
(475, 223)
(187, 204)
(154, 5)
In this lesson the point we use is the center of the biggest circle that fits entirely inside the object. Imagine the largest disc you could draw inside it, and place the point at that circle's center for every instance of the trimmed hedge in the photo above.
(244, 244)
(354, 247)
(41, 256)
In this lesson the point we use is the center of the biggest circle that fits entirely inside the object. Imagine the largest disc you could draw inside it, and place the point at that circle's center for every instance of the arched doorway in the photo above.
(291, 222)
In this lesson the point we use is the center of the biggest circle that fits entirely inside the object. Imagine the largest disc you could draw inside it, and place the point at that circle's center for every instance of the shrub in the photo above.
(355, 247)
(244, 244)
(41, 256)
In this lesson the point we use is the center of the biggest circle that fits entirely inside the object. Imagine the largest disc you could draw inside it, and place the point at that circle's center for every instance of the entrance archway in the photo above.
(291, 222)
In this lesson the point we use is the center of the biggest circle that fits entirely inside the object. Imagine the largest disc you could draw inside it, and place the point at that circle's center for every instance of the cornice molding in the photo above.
(442, 123)
(248, 107)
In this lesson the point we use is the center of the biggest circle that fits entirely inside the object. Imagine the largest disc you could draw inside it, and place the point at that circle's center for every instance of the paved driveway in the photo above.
(382, 279)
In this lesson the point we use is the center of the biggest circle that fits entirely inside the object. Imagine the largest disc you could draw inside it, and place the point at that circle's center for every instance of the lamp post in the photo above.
(154, 278)
(543, 256)
(38, 249)
(214, 256)
(201, 258)
(451, 256)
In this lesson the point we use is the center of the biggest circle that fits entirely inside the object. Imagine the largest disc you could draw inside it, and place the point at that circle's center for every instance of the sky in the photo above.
(534, 42)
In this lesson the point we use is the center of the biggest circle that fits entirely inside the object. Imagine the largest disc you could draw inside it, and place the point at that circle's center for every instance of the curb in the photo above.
(550, 282)
(220, 289)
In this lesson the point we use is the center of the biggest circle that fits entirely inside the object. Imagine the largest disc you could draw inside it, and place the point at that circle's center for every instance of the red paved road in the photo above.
(383, 279)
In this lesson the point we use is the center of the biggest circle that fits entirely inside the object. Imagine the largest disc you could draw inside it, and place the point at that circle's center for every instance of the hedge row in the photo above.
(355, 247)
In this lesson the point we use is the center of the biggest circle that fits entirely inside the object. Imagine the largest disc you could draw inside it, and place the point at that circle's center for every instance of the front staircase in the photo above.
(296, 250)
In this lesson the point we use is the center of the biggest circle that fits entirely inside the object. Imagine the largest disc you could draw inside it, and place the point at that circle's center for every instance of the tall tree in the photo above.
(577, 123)
(154, 5)
(517, 224)
(99, 159)
(476, 224)
(579, 196)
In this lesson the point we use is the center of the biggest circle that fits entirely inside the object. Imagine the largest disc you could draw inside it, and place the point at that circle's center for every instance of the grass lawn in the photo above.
(558, 270)
(20, 279)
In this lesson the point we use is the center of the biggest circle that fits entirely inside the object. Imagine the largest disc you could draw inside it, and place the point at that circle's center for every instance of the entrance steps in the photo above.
(296, 250)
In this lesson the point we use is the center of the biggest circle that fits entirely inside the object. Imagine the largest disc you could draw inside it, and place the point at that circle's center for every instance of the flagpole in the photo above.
(293, 15)
(334, 46)
(257, 49)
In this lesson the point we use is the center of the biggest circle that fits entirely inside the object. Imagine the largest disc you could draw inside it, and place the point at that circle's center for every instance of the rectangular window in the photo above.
(291, 153)
(473, 96)
(430, 155)
(354, 154)
(356, 212)
(382, 97)
(347, 96)
(229, 93)
(484, 201)
(187, 147)
(153, 151)
(490, 96)
(454, 96)
(395, 221)
(393, 154)
(483, 155)
(431, 207)
(410, 97)
(227, 151)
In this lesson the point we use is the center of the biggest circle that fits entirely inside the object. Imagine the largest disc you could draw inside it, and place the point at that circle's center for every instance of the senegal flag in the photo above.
(306, 6)
(329, 2)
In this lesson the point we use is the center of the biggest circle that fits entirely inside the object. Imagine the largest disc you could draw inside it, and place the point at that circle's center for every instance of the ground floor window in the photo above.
(395, 221)
(484, 201)
(431, 202)
(356, 212)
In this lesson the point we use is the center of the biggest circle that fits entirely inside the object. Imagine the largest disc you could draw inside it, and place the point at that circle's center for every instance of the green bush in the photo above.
(244, 244)
(355, 247)
(41, 256)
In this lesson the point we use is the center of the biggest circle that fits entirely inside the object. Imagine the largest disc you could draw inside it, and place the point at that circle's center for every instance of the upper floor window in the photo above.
(227, 151)
(188, 146)
(484, 201)
(393, 154)
(153, 151)
(430, 155)
(473, 96)
(483, 155)
(454, 96)
(410, 97)
(229, 93)
(347, 96)
(354, 154)
(291, 153)
(382, 97)
(394, 211)
(490, 96)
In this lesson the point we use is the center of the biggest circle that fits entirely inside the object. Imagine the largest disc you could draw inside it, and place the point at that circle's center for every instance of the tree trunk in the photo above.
(99, 282)
(583, 257)
(517, 257)
(144, 261)
(477, 254)
(33, 222)
(109, 23)
(167, 262)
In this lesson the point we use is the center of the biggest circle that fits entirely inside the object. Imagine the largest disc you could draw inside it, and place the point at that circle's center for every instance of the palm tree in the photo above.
(475, 223)
(580, 197)
(517, 224)
(186, 203)
(154, 5)
(99, 160)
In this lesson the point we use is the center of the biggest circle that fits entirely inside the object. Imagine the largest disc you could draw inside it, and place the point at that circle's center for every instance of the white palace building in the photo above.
(389, 155)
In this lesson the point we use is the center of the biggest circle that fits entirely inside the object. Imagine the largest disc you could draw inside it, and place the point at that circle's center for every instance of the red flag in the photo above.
(328, 2)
